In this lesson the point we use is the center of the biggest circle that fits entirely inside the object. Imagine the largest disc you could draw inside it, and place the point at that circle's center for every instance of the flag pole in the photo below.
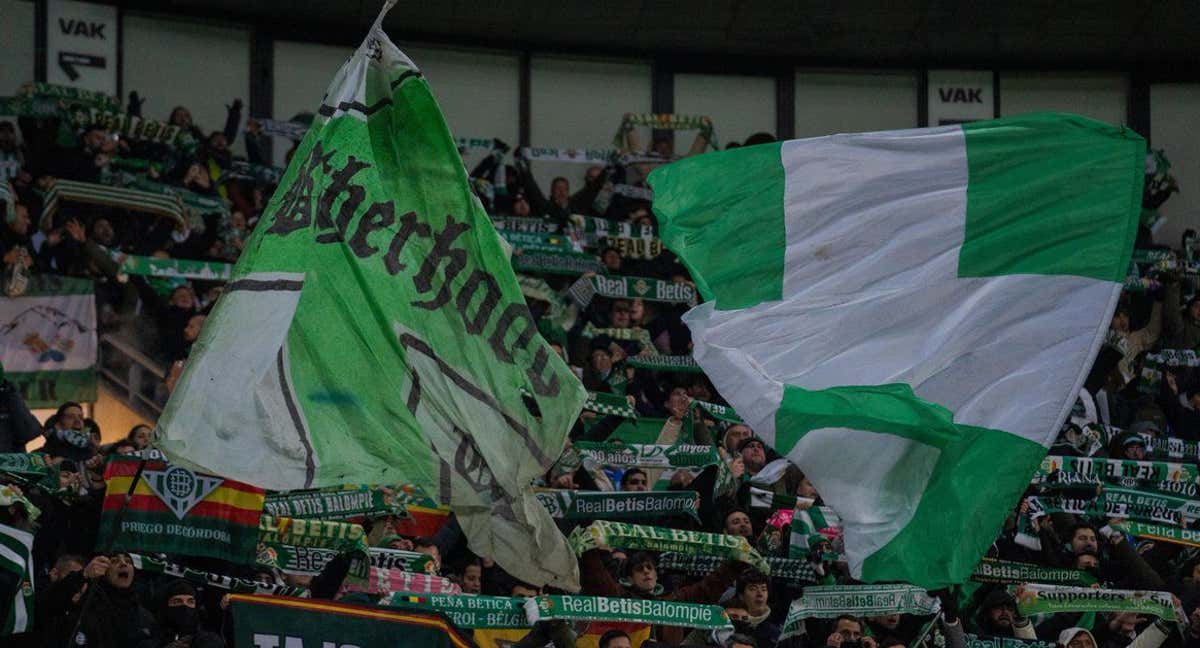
(112, 540)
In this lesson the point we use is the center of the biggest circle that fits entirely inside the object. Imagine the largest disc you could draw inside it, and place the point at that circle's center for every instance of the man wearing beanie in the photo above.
(179, 620)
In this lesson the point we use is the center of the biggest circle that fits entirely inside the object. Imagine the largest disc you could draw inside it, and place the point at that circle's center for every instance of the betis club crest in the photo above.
(179, 488)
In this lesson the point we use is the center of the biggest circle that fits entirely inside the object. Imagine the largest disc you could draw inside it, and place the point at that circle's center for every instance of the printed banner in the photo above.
(1048, 599)
(176, 511)
(470, 611)
(648, 455)
(333, 503)
(48, 341)
(153, 565)
(649, 611)
(635, 536)
(799, 572)
(284, 622)
(831, 601)
(321, 534)
(575, 505)
(990, 570)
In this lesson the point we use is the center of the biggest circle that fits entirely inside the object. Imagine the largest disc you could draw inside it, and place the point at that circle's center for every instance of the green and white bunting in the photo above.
(627, 610)
(603, 533)
(575, 505)
(990, 570)
(48, 341)
(415, 285)
(1049, 599)
(928, 336)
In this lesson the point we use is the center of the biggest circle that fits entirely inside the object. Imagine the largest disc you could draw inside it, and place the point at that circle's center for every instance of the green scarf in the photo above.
(648, 455)
(594, 229)
(196, 577)
(132, 127)
(333, 503)
(626, 610)
(536, 241)
(174, 268)
(634, 334)
(586, 288)
(674, 363)
(723, 413)
(469, 611)
(561, 262)
(799, 572)
(1049, 599)
(609, 405)
(634, 248)
(831, 601)
(990, 570)
(524, 224)
(1110, 469)
(636, 536)
(1162, 532)
(71, 95)
(311, 560)
(25, 463)
(576, 505)
(321, 534)
(1172, 448)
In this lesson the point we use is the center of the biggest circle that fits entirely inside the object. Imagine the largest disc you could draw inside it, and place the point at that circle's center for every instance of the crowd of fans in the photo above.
(1122, 406)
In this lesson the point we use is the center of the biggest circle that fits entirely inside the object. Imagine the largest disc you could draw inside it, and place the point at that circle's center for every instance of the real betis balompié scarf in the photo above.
(626, 610)
(311, 560)
(603, 533)
(1048, 599)
(830, 601)
(614, 287)
(333, 503)
(990, 570)
(575, 505)
(322, 534)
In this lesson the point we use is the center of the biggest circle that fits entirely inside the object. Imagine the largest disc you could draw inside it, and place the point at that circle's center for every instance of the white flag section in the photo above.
(909, 315)
(48, 340)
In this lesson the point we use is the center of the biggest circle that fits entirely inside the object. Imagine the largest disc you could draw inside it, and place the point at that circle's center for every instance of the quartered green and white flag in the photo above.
(909, 315)
(373, 331)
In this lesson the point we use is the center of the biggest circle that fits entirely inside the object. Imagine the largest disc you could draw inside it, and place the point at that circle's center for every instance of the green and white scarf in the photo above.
(198, 204)
(598, 156)
(603, 533)
(990, 570)
(322, 534)
(1049, 599)
(634, 334)
(626, 610)
(524, 224)
(586, 288)
(635, 192)
(609, 405)
(831, 601)
(658, 362)
(536, 241)
(139, 129)
(175, 268)
(680, 455)
(260, 173)
(25, 463)
(561, 262)
(593, 229)
(475, 143)
(1110, 469)
(575, 505)
(799, 572)
(71, 95)
(333, 503)
(469, 611)
(1172, 534)
(152, 565)
(310, 560)
(1172, 448)
(667, 121)
(286, 129)
(723, 413)
(634, 248)
(1154, 364)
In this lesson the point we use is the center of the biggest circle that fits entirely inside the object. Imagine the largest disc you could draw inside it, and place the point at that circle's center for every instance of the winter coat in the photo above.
(17, 424)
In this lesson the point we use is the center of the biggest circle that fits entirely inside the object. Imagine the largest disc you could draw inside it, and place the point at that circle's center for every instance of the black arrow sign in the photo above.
(68, 60)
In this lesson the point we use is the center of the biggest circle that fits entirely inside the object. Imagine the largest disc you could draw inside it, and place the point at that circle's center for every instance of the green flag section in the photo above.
(1049, 599)
(284, 622)
(913, 349)
(48, 341)
(16, 561)
(373, 331)
(174, 510)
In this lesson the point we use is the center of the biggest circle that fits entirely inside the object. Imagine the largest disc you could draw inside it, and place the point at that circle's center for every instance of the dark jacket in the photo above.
(17, 424)
(114, 618)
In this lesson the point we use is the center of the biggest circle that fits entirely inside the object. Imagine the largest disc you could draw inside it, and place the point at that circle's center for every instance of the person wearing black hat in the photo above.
(998, 617)
(179, 620)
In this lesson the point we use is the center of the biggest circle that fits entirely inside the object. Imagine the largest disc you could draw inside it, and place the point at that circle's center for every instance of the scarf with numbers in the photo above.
(629, 455)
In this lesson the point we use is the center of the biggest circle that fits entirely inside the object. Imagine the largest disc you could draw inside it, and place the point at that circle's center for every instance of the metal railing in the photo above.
(137, 377)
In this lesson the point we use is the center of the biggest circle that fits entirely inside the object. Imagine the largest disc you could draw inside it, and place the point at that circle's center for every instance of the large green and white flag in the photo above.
(909, 315)
(48, 340)
(373, 331)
